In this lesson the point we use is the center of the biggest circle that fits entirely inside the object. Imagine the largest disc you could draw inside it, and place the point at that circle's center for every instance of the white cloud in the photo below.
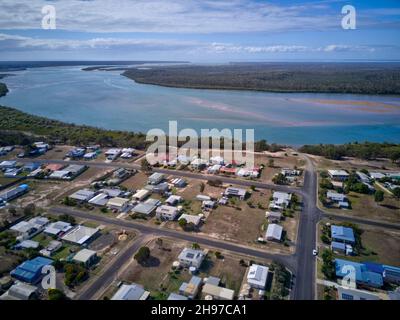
(19, 43)
(183, 16)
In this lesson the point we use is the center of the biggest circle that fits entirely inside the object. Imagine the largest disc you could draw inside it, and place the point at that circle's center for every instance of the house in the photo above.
(345, 293)
(342, 248)
(20, 291)
(363, 177)
(198, 163)
(80, 234)
(35, 173)
(245, 172)
(75, 170)
(274, 232)
(27, 244)
(131, 292)
(85, 256)
(30, 228)
(183, 159)
(208, 205)
(54, 167)
(113, 154)
(235, 192)
(290, 172)
(160, 188)
(146, 208)
(90, 156)
(227, 170)
(173, 200)
(82, 195)
(390, 274)
(214, 168)
(76, 153)
(100, 200)
(31, 166)
(338, 175)
(191, 219)
(190, 289)
(212, 280)
(202, 197)
(217, 292)
(30, 271)
(41, 145)
(174, 296)
(281, 199)
(14, 192)
(118, 203)
(120, 173)
(377, 175)
(7, 164)
(12, 173)
(167, 212)
(60, 175)
(342, 234)
(51, 248)
(273, 216)
(112, 192)
(191, 258)
(156, 178)
(217, 160)
(338, 198)
(362, 274)
(257, 276)
(141, 194)
(179, 183)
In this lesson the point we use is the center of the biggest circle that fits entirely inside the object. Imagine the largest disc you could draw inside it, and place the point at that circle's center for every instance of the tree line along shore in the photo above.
(345, 78)
(20, 128)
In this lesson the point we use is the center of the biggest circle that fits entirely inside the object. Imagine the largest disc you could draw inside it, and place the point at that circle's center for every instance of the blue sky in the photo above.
(199, 30)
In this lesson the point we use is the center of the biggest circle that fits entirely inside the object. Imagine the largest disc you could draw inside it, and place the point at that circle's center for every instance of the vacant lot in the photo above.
(137, 181)
(379, 245)
(364, 206)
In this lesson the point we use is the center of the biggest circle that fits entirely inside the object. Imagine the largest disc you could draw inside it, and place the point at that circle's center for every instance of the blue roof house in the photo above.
(30, 271)
(362, 274)
(342, 234)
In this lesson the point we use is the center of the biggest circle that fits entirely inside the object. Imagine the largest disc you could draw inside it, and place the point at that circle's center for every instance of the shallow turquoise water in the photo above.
(109, 100)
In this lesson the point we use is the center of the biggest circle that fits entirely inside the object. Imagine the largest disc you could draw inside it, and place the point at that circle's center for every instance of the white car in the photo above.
(315, 252)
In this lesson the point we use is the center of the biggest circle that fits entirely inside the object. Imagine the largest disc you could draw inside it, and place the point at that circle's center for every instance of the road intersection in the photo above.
(302, 263)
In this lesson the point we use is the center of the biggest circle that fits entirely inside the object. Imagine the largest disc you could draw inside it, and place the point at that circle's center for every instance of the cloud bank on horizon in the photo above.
(199, 30)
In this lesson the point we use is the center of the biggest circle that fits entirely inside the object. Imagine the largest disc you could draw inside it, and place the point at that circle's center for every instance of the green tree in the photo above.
(145, 165)
(202, 187)
(396, 192)
(379, 196)
(56, 294)
(142, 255)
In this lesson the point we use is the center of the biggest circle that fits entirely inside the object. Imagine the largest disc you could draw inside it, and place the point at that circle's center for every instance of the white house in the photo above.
(339, 175)
(141, 194)
(131, 292)
(257, 276)
(345, 293)
(156, 178)
(191, 218)
(85, 256)
(117, 203)
(191, 257)
(173, 200)
(274, 232)
(167, 212)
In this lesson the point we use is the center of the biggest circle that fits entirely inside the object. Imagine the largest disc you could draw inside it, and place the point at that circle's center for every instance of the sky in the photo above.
(200, 30)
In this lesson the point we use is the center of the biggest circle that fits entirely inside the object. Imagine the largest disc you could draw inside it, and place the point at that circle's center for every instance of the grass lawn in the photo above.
(364, 206)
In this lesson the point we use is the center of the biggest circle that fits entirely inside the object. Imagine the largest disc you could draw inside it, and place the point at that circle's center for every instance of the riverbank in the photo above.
(344, 78)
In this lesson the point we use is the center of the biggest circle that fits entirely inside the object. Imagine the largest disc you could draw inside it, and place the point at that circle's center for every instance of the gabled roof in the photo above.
(342, 233)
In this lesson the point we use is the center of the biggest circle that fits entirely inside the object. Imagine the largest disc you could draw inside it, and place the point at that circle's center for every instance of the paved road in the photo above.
(109, 274)
(304, 288)
(302, 263)
(178, 173)
(190, 237)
